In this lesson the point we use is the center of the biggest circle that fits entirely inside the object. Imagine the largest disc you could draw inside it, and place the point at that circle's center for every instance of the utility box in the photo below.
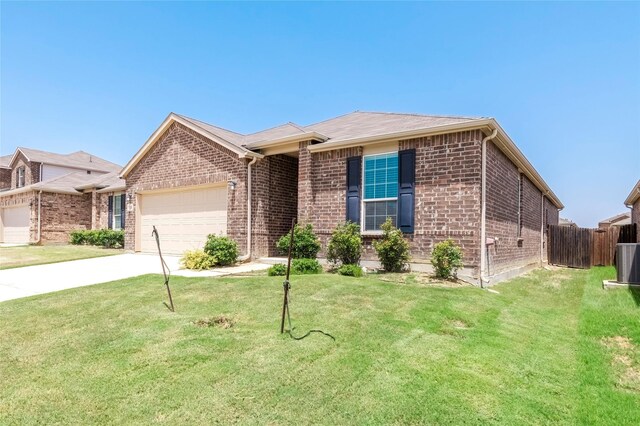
(628, 263)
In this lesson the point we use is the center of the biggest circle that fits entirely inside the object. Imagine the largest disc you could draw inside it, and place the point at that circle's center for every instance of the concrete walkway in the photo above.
(31, 280)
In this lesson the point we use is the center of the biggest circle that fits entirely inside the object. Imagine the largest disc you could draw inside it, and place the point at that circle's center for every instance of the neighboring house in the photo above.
(633, 202)
(46, 195)
(436, 177)
(567, 222)
(617, 220)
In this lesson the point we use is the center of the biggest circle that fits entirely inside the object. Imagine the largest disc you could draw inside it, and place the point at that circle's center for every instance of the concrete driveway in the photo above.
(31, 280)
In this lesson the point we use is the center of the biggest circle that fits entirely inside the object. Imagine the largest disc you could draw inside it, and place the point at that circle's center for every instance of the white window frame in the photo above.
(113, 212)
(21, 178)
(363, 200)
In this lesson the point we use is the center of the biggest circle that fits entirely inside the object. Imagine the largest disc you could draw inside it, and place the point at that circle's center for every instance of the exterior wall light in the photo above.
(232, 184)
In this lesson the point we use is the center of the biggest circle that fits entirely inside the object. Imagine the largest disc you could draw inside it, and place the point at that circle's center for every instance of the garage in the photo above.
(15, 225)
(183, 218)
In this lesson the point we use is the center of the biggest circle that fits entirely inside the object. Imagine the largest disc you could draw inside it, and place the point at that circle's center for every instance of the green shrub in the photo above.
(305, 266)
(298, 267)
(350, 270)
(446, 259)
(98, 237)
(277, 270)
(305, 243)
(223, 249)
(345, 245)
(198, 260)
(392, 249)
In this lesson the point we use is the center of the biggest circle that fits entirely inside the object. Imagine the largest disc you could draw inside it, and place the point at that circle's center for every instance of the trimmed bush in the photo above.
(392, 249)
(277, 270)
(198, 260)
(305, 243)
(345, 245)
(108, 238)
(446, 259)
(305, 266)
(298, 267)
(350, 270)
(223, 249)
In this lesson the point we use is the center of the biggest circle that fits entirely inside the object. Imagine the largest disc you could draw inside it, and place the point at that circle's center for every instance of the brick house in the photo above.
(633, 202)
(436, 177)
(620, 219)
(44, 195)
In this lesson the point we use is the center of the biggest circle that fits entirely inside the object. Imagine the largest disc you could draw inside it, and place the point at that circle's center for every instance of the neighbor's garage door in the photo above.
(183, 218)
(15, 225)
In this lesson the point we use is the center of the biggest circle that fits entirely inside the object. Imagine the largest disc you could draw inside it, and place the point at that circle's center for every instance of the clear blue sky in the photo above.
(563, 79)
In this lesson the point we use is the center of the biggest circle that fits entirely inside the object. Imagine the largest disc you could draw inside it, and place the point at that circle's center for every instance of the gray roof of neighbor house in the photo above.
(79, 160)
(4, 160)
(619, 219)
(633, 195)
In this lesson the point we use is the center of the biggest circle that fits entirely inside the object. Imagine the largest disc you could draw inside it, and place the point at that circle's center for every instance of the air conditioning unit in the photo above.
(628, 263)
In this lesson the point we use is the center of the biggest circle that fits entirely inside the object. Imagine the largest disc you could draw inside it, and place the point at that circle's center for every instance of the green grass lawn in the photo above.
(550, 348)
(15, 257)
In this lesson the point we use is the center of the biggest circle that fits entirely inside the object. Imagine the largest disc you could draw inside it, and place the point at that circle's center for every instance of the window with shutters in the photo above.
(20, 177)
(117, 211)
(380, 190)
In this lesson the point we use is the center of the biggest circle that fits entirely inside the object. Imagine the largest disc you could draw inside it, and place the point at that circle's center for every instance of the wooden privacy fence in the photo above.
(585, 247)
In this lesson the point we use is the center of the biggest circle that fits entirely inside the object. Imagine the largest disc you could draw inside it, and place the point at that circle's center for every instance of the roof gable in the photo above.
(78, 160)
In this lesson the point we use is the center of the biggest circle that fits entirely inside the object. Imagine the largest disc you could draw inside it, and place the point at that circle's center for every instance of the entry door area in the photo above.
(183, 218)
(15, 225)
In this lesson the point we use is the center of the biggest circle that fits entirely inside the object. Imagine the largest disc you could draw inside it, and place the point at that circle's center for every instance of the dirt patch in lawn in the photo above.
(219, 321)
(422, 279)
(625, 361)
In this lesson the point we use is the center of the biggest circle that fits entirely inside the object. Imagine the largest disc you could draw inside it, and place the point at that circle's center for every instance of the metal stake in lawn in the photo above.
(286, 284)
(165, 268)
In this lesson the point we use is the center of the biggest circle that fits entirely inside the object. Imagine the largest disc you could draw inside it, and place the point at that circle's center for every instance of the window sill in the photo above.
(371, 233)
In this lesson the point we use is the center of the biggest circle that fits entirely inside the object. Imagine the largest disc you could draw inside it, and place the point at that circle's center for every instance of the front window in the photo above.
(117, 212)
(20, 177)
(380, 198)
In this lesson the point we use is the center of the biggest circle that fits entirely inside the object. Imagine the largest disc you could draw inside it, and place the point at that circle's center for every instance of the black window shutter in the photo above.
(406, 189)
(110, 216)
(354, 166)
(122, 209)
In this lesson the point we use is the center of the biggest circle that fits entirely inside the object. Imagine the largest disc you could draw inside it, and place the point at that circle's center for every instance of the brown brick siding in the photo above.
(447, 192)
(509, 251)
(5, 178)
(100, 210)
(635, 216)
(63, 213)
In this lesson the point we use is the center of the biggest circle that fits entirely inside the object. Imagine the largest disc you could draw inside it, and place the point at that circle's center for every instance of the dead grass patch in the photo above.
(219, 321)
(422, 279)
(624, 360)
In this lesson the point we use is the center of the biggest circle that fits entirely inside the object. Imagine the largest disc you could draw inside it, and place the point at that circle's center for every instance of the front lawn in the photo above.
(551, 347)
(15, 257)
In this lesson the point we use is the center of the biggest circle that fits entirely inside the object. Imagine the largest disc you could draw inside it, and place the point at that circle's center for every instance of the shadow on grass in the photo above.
(635, 292)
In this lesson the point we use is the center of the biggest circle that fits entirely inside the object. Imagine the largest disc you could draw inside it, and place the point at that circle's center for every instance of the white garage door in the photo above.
(15, 225)
(183, 219)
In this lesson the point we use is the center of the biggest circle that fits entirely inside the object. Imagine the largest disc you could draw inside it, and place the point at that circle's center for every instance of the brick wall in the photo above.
(100, 210)
(447, 192)
(29, 198)
(510, 249)
(635, 217)
(181, 158)
(32, 171)
(552, 217)
(63, 213)
(275, 201)
(5, 178)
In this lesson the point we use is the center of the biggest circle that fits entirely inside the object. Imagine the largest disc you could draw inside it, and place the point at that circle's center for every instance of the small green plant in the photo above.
(305, 266)
(277, 270)
(446, 259)
(345, 245)
(223, 249)
(392, 249)
(350, 270)
(108, 238)
(298, 267)
(305, 243)
(198, 260)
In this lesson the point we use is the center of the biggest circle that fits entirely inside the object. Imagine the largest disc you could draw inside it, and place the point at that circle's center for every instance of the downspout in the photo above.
(248, 255)
(39, 221)
(483, 214)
